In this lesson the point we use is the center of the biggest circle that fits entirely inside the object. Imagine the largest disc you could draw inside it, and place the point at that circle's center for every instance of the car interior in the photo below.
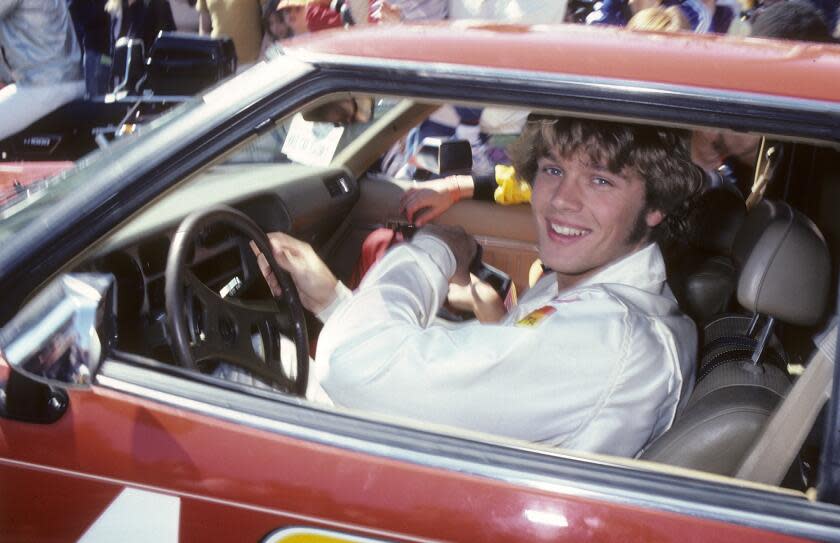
(758, 275)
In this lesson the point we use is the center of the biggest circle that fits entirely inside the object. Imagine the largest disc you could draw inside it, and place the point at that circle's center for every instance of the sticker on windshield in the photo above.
(310, 535)
(310, 143)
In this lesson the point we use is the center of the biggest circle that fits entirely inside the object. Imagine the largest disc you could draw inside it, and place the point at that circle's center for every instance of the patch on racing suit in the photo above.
(536, 316)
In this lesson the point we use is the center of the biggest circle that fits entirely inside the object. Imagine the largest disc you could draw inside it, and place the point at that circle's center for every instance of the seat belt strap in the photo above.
(785, 432)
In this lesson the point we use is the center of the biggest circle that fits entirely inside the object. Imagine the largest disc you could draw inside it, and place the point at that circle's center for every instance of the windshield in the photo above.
(21, 202)
(314, 137)
(164, 137)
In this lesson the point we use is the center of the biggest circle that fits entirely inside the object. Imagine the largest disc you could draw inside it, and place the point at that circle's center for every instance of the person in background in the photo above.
(830, 11)
(509, 11)
(659, 19)
(284, 19)
(93, 29)
(731, 154)
(41, 57)
(326, 14)
(294, 14)
(140, 19)
(241, 20)
(394, 11)
(702, 15)
(275, 28)
(792, 20)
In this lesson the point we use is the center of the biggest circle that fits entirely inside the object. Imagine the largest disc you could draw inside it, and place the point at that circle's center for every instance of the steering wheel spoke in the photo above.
(266, 338)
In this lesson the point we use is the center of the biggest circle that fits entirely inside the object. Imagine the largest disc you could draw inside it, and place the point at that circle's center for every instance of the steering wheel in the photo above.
(205, 325)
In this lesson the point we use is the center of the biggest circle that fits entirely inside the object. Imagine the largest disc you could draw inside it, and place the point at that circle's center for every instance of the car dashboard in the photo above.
(307, 202)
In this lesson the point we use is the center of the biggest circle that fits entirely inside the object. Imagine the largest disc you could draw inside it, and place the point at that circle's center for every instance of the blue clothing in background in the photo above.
(93, 29)
(618, 12)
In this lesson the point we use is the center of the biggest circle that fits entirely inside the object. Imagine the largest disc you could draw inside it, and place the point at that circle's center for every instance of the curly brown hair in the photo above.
(660, 156)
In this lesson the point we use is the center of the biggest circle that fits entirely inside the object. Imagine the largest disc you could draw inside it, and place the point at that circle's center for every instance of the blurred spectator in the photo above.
(274, 24)
(93, 29)
(238, 19)
(726, 16)
(659, 19)
(791, 20)
(702, 15)
(294, 14)
(43, 58)
(140, 19)
(359, 11)
(275, 30)
(321, 15)
(304, 16)
(392, 11)
(287, 18)
(509, 11)
(830, 11)
(735, 153)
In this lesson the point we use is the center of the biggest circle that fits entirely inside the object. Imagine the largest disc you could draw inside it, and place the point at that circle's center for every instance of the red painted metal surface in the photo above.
(239, 483)
(783, 68)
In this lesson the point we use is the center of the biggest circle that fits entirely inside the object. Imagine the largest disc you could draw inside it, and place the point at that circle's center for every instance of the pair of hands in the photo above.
(316, 284)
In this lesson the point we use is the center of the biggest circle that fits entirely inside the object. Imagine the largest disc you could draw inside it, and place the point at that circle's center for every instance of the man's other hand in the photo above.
(315, 282)
(428, 200)
(462, 245)
(479, 298)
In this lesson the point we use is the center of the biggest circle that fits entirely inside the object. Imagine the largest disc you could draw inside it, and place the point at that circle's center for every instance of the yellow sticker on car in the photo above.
(311, 535)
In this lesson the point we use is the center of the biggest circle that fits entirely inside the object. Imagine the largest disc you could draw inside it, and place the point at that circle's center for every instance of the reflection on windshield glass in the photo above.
(314, 137)
(102, 171)
(21, 203)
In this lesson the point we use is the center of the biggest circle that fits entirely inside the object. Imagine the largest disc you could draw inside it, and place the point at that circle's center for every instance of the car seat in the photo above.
(785, 278)
(707, 287)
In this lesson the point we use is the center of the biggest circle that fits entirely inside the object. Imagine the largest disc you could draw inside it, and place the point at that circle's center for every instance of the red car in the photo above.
(106, 434)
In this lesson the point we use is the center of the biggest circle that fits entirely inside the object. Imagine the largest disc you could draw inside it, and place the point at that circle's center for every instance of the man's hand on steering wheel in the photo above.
(315, 283)
(207, 327)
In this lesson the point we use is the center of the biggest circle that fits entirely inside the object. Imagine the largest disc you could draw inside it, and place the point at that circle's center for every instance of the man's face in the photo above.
(277, 26)
(295, 17)
(586, 216)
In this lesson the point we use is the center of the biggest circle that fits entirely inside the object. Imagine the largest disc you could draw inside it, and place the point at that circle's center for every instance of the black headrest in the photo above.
(717, 217)
(787, 273)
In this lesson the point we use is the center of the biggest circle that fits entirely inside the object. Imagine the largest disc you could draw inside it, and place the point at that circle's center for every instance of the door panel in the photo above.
(37, 504)
(235, 478)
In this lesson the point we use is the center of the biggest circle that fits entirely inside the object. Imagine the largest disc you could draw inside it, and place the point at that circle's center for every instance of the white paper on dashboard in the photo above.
(309, 143)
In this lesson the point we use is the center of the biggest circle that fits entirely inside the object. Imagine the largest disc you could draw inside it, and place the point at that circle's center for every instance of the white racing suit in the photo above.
(600, 367)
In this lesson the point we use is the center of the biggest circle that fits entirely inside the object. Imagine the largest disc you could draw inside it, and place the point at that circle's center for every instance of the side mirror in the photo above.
(442, 157)
(61, 336)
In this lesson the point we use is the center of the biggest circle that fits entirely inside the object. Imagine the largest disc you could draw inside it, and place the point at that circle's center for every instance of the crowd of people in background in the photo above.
(55, 51)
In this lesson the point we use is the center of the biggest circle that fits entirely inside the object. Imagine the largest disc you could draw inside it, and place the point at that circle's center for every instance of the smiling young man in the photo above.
(596, 356)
